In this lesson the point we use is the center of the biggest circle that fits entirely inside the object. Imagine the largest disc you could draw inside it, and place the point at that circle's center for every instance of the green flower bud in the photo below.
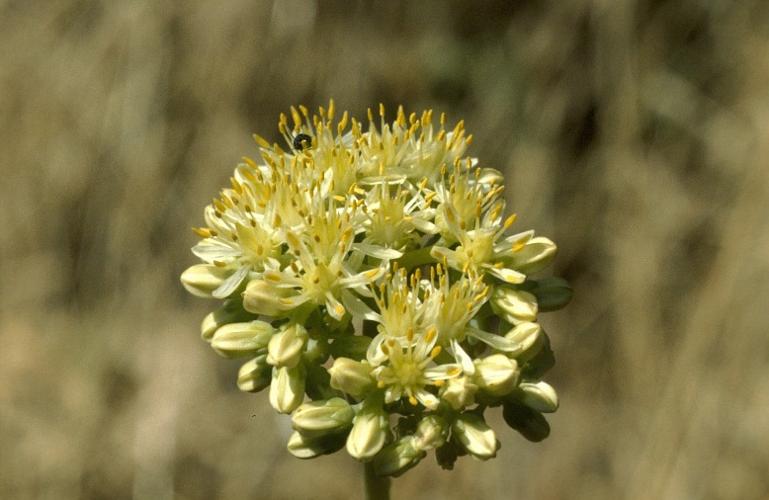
(369, 433)
(530, 423)
(529, 336)
(202, 279)
(514, 306)
(322, 417)
(350, 376)
(459, 392)
(261, 297)
(475, 436)
(497, 374)
(552, 293)
(255, 375)
(287, 388)
(431, 433)
(286, 346)
(539, 396)
(302, 446)
(398, 457)
(535, 255)
(241, 339)
(231, 312)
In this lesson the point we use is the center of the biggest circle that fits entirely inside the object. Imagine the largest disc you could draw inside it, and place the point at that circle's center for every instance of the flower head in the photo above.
(367, 271)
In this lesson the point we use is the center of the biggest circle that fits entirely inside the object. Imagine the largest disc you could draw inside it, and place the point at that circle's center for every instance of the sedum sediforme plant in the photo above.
(370, 277)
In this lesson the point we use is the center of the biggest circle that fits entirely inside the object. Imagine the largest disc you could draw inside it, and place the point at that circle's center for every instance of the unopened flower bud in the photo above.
(241, 339)
(255, 375)
(475, 436)
(552, 293)
(538, 395)
(303, 446)
(368, 434)
(497, 374)
(350, 376)
(514, 306)
(202, 279)
(491, 176)
(535, 255)
(231, 312)
(286, 346)
(530, 423)
(322, 417)
(287, 388)
(398, 457)
(528, 335)
(261, 297)
(459, 392)
(431, 433)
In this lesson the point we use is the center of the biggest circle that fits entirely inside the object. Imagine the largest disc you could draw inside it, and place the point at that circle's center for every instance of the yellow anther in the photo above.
(203, 232)
(413, 400)
(261, 141)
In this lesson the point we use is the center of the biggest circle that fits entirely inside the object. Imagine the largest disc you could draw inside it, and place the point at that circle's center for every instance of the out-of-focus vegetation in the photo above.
(634, 133)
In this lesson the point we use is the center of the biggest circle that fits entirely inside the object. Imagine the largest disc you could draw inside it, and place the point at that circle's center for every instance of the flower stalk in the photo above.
(375, 487)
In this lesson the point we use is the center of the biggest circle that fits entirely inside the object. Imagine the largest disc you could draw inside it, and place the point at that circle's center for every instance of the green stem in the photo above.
(377, 487)
(416, 258)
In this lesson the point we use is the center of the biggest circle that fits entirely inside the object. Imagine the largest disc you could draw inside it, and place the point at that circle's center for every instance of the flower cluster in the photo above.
(368, 273)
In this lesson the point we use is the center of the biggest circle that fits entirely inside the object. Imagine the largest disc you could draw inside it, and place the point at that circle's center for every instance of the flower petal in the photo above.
(462, 357)
(506, 275)
(231, 284)
(377, 251)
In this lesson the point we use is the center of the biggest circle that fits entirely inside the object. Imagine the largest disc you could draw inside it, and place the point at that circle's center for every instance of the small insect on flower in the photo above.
(302, 142)
(369, 281)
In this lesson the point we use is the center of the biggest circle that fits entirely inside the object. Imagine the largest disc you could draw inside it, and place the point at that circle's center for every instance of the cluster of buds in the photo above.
(368, 274)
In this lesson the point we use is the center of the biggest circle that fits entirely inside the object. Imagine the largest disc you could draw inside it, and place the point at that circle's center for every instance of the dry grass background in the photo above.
(635, 133)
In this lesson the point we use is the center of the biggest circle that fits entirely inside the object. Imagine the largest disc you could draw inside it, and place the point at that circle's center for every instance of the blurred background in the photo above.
(633, 133)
